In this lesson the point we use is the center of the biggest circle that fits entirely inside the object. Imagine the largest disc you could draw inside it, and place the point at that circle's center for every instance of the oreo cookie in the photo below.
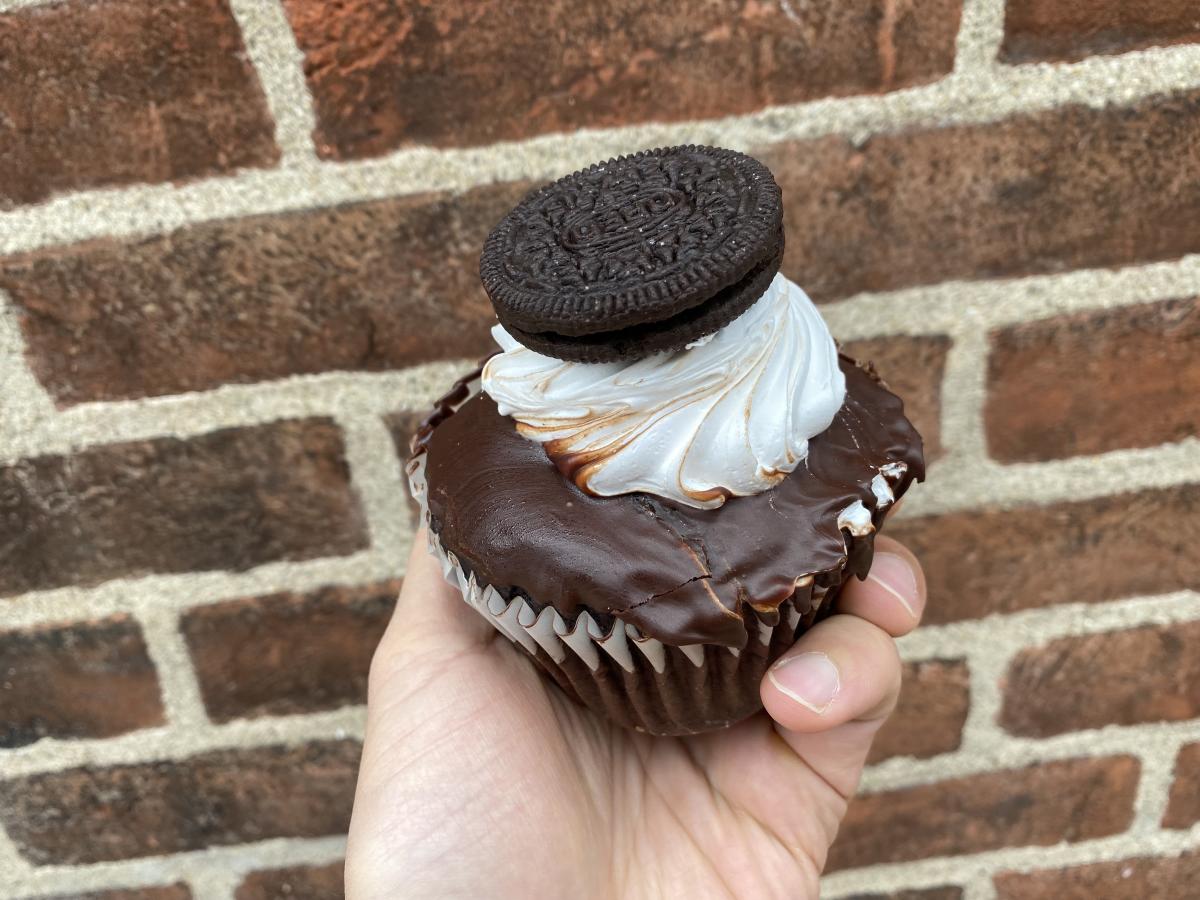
(638, 255)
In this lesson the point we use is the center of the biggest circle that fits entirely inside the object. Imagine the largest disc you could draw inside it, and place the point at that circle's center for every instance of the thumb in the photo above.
(831, 692)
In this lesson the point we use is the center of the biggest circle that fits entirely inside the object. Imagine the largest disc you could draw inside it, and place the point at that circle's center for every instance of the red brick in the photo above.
(298, 883)
(287, 653)
(1068, 800)
(913, 368)
(1093, 382)
(1067, 188)
(368, 286)
(90, 815)
(1073, 29)
(929, 718)
(1171, 878)
(229, 500)
(168, 892)
(938, 893)
(1183, 810)
(1147, 674)
(84, 680)
(121, 91)
(385, 75)
(985, 561)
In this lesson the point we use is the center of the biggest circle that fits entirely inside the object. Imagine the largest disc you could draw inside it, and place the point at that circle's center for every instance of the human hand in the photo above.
(479, 778)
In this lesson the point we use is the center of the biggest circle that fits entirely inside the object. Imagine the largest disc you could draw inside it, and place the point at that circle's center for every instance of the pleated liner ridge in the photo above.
(635, 680)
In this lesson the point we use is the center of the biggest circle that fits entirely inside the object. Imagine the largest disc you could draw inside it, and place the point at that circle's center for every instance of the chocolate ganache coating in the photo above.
(678, 574)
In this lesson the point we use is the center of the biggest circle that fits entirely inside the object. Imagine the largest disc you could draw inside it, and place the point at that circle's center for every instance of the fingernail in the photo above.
(895, 575)
(811, 679)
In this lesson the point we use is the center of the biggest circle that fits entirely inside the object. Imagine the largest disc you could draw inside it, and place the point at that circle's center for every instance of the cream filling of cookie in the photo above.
(730, 415)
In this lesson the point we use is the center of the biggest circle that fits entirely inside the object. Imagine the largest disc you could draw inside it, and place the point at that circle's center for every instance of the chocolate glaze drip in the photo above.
(682, 575)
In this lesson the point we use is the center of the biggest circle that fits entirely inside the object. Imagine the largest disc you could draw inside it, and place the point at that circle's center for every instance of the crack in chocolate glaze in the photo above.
(503, 508)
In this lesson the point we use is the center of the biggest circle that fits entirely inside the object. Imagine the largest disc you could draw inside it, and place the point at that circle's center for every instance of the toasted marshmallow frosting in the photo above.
(731, 415)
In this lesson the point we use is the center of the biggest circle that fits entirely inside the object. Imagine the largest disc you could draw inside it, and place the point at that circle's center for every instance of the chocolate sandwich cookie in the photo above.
(637, 255)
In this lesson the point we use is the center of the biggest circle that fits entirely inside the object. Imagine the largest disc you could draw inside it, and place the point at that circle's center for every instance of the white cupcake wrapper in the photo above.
(517, 620)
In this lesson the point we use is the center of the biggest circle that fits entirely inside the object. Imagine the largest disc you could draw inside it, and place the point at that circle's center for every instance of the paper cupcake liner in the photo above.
(632, 678)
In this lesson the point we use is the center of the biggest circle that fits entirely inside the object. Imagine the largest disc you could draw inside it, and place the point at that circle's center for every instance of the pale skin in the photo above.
(481, 779)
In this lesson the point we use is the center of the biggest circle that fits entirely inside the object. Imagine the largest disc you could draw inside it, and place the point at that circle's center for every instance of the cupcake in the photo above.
(667, 471)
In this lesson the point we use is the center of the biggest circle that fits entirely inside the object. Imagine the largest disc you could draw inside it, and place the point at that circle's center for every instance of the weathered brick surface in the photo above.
(1093, 382)
(913, 369)
(1149, 674)
(1168, 878)
(989, 561)
(223, 797)
(297, 883)
(366, 286)
(929, 717)
(287, 653)
(1067, 188)
(939, 893)
(1069, 800)
(1073, 29)
(229, 499)
(1183, 810)
(120, 91)
(167, 892)
(384, 75)
(84, 680)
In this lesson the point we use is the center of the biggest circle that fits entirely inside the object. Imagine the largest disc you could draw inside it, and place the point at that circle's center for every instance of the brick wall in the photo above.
(236, 257)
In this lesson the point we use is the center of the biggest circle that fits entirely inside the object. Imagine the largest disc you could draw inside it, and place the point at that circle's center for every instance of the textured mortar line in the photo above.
(174, 743)
(180, 689)
(215, 884)
(980, 887)
(30, 425)
(36, 428)
(949, 307)
(280, 65)
(989, 646)
(201, 867)
(182, 591)
(12, 865)
(376, 472)
(962, 483)
(987, 665)
(1036, 627)
(24, 404)
(14, 5)
(964, 391)
(180, 742)
(1005, 753)
(1154, 788)
(967, 97)
(979, 36)
(966, 311)
(937, 871)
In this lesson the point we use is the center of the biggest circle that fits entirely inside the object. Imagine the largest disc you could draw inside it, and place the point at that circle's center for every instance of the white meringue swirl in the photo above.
(731, 415)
